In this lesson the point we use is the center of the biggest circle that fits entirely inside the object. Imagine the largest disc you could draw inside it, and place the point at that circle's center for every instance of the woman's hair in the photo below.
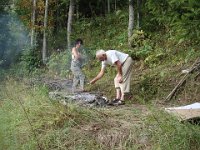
(79, 41)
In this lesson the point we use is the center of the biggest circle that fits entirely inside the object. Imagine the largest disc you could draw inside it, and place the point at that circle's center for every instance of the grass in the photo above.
(132, 126)
(167, 132)
(46, 118)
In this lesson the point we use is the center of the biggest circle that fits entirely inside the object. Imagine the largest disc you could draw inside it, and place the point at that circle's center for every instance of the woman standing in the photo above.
(76, 65)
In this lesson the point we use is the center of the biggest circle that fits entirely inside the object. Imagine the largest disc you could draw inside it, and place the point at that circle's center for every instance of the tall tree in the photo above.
(69, 23)
(44, 47)
(108, 6)
(77, 10)
(33, 23)
(139, 2)
(115, 5)
(131, 20)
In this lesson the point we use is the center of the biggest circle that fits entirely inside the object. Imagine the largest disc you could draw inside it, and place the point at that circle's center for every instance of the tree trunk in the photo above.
(33, 24)
(77, 11)
(57, 22)
(115, 5)
(44, 48)
(108, 4)
(69, 23)
(131, 20)
(139, 2)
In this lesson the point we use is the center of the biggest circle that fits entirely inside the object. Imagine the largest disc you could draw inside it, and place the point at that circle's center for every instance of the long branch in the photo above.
(192, 68)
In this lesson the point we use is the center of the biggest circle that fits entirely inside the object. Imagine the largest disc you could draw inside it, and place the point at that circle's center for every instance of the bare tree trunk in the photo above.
(33, 24)
(108, 4)
(69, 23)
(57, 22)
(131, 20)
(139, 2)
(77, 12)
(91, 9)
(115, 5)
(44, 48)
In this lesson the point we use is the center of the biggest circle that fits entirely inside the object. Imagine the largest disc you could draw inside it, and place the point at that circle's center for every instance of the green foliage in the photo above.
(156, 57)
(29, 60)
(142, 46)
(59, 64)
(180, 18)
(147, 87)
(190, 55)
(98, 33)
(57, 41)
(137, 39)
(144, 50)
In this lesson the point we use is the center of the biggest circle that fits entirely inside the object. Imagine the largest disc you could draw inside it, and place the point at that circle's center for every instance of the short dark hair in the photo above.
(79, 41)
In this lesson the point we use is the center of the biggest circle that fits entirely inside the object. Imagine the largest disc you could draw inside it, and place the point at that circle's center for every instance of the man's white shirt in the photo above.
(113, 56)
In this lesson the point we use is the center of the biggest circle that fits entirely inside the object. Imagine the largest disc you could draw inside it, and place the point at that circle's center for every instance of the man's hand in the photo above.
(119, 70)
(119, 78)
(99, 76)
(92, 81)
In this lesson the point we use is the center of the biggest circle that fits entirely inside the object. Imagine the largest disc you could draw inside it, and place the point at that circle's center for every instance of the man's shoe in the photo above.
(113, 101)
(117, 103)
(120, 102)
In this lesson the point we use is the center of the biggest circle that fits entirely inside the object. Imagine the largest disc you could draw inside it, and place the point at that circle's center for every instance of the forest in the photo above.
(38, 110)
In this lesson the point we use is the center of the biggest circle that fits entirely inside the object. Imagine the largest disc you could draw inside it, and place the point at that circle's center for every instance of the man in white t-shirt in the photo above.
(122, 80)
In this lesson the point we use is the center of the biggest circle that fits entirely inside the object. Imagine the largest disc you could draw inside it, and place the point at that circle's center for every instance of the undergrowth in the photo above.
(30, 120)
(167, 132)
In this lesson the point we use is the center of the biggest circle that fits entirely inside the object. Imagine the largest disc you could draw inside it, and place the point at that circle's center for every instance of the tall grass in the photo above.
(167, 132)
(30, 120)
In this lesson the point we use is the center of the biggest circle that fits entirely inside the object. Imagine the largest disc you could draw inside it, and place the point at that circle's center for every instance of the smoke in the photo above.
(13, 39)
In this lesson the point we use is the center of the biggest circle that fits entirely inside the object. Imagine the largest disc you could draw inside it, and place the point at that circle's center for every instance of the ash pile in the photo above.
(82, 98)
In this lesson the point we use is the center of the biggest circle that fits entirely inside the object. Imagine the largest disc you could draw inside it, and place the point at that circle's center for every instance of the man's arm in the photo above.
(99, 76)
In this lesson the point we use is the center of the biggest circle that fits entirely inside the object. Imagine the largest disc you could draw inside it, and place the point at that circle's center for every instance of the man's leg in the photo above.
(118, 93)
(125, 86)
(122, 96)
(117, 87)
(127, 72)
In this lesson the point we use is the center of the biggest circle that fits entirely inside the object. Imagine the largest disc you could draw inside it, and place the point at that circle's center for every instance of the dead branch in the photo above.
(194, 66)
